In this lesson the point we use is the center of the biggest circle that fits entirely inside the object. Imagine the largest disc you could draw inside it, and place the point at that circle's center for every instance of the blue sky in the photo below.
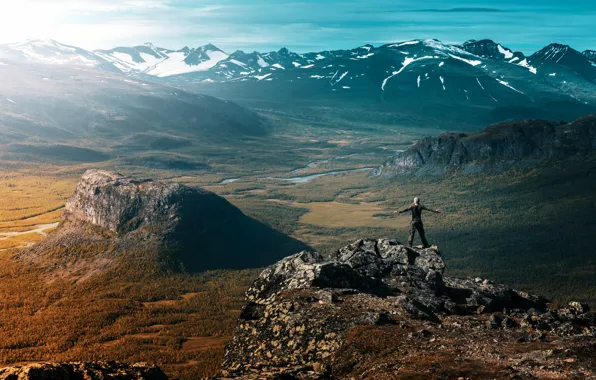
(301, 25)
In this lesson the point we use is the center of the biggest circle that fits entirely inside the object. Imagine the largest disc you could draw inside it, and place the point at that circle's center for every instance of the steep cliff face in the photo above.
(378, 309)
(501, 145)
(146, 225)
(82, 371)
(124, 205)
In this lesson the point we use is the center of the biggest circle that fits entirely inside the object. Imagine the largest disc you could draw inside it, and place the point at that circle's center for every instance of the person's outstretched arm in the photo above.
(437, 211)
(402, 211)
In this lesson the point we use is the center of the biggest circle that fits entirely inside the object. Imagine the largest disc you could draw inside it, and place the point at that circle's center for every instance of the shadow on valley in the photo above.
(214, 234)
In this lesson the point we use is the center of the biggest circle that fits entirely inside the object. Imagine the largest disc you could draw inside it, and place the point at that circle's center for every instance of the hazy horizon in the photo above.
(300, 26)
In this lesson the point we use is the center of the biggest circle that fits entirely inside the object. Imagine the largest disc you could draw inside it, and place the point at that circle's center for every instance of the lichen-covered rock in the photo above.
(302, 313)
(83, 371)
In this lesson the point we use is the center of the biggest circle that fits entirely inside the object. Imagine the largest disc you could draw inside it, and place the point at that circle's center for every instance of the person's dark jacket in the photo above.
(416, 211)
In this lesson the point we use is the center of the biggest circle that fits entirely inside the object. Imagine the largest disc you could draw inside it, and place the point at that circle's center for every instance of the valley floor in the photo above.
(529, 229)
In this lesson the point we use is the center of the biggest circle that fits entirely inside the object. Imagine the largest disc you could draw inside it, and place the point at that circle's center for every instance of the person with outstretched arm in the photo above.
(416, 225)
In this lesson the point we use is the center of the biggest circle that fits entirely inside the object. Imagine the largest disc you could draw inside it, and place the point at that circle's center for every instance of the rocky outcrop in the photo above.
(498, 146)
(82, 371)
(124, 205)
(116, 220)
(378, 309)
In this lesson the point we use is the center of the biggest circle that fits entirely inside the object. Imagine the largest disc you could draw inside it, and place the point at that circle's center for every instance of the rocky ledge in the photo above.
(378, 309)
(82, 371)
(497, 147)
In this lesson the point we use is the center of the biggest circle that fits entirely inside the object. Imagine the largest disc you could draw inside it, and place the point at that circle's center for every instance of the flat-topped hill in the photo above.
(116, 220)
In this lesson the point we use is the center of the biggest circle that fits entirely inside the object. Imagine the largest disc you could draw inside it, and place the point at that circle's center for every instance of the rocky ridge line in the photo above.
(496, 147)
(315, 317)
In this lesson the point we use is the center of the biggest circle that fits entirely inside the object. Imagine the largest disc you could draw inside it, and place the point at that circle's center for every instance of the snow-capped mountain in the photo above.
(564, 55)
(161, 62)
(137, 58)
(53, 52)
(479, 80)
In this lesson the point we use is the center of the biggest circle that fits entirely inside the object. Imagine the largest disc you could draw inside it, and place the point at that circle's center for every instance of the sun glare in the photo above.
(26, 19)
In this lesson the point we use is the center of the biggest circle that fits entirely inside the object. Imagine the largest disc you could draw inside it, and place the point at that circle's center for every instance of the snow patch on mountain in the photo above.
(405, 64)
(525, 63)
(175, 64)
(238, 63)
(480, 84)
(261, 77)
(468, 61)
(341, 77)
(52, 52)
(404, 44)
(506, 52)
(261, 62)
(506, 84)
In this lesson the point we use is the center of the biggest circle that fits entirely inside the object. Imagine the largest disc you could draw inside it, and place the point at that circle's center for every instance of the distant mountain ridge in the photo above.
(414, 82)
(496, 147)
(150, 59)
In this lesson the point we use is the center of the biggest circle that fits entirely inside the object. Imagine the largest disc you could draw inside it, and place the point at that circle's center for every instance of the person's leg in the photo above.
(412, 234)
(420, 228)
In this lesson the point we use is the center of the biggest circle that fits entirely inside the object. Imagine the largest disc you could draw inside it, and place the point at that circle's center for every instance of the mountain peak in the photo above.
(210, 47)
(564, 55)
(483, 41)
(38, 42)
(487, 48)
(553, 50)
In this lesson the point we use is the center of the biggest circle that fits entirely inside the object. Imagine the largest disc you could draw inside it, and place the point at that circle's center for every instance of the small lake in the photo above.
(308, 178)
(229, 180)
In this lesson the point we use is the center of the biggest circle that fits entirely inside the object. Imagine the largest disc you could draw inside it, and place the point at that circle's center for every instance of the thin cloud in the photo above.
(461, 10)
